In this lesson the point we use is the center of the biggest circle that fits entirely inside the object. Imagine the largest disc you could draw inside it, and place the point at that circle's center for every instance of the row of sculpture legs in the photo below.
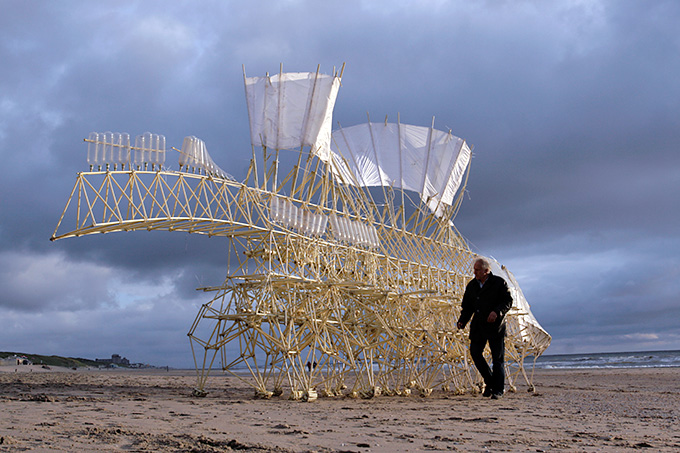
(312, 373)
(328, 347)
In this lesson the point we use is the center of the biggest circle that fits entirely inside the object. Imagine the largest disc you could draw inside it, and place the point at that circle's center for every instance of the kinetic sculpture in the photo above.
(345, 273)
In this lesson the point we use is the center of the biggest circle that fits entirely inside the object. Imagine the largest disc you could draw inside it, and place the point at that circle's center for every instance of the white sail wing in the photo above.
(291, 110)
(415, 158)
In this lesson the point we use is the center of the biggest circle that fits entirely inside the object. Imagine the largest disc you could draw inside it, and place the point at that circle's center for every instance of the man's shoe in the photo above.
(496, 396)
(487, 392)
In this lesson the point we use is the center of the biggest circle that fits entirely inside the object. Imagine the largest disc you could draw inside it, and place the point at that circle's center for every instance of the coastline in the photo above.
(625, 359)
(153, 410)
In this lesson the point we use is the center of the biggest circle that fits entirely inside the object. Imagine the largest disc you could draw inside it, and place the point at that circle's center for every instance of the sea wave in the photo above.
(644, 359)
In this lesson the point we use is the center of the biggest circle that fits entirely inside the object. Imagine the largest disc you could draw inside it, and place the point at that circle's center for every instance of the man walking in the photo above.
(487, 300)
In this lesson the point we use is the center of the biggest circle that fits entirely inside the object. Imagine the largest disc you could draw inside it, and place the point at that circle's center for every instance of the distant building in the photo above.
(115, 359)
(16, 360)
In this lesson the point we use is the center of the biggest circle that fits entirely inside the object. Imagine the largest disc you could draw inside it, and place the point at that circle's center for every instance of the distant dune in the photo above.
(52, 360)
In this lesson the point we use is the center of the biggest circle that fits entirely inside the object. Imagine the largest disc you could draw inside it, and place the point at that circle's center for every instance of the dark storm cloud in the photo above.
(572, 108)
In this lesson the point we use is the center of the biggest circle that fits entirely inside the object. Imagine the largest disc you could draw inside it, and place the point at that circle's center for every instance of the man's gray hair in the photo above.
(484, 262)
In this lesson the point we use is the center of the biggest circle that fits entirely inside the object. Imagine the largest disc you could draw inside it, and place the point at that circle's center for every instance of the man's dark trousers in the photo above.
(494, 380)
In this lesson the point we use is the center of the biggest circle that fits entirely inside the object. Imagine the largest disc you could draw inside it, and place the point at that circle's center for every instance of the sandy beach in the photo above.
(153, 410)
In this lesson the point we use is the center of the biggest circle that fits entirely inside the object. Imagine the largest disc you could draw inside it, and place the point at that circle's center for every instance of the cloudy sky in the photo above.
(573, 108)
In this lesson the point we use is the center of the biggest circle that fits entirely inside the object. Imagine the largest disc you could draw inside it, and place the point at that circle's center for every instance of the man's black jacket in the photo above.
(479, 302)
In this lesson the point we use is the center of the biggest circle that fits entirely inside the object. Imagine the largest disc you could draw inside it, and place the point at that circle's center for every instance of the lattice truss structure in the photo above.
(346, 272)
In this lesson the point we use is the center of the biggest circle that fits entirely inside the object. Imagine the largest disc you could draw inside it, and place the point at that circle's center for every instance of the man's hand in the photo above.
(492, 317)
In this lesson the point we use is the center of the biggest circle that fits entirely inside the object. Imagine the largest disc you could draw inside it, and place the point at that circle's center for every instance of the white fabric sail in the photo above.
(421, 159)
(524, 324)
(291, 110)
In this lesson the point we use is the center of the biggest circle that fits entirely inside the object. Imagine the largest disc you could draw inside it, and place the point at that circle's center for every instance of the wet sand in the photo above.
(154, 410)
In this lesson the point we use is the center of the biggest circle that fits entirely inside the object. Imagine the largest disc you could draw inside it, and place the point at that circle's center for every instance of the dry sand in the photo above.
(153, 410)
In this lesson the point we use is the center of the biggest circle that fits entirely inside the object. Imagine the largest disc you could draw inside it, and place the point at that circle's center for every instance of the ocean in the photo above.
(645, 359)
